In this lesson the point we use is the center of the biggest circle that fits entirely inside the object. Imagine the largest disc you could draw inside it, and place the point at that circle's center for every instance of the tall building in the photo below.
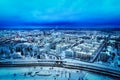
(58, 49)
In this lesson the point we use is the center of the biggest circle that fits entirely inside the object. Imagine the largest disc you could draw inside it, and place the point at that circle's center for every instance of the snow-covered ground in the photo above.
(47, 73)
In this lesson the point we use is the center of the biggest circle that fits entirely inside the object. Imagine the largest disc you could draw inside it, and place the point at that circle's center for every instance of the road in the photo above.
(97, 52)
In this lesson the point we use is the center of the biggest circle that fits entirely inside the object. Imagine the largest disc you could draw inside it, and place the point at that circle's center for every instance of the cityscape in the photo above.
(59, 39)
(60, 54)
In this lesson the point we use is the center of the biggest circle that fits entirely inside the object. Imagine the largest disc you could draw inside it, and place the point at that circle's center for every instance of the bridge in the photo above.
(92, 67)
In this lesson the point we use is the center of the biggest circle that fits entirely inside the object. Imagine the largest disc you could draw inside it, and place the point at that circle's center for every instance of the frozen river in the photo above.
(47, 73)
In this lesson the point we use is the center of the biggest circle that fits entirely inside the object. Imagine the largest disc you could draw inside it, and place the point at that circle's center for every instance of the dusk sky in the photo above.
(17, 12)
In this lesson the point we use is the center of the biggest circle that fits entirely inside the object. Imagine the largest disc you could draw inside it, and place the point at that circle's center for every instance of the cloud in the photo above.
(59, 10)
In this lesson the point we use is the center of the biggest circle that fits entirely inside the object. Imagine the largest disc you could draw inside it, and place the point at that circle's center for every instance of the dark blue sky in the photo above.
(53, 12)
